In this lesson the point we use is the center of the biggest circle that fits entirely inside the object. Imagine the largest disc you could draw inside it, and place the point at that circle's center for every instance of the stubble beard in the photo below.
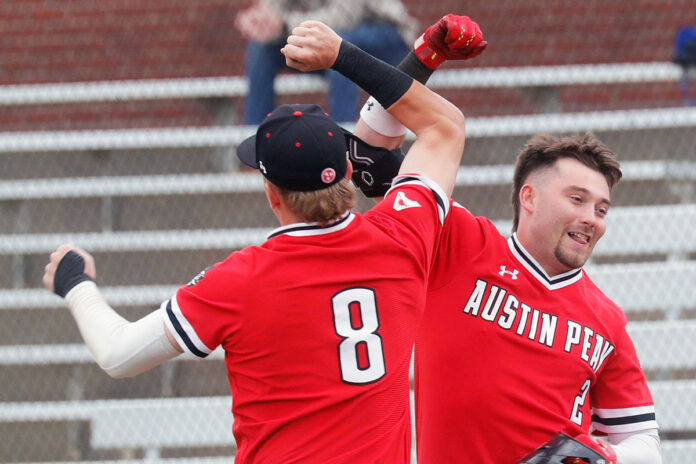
(570, 260)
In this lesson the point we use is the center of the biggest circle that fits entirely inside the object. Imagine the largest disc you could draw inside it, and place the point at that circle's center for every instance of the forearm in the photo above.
(374, 138)
(379, 128)
(410, 102)
(438, 124)
(121, 348)
(637, 448)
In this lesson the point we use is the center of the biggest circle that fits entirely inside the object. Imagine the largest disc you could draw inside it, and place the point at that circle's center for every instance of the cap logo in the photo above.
(328, 175)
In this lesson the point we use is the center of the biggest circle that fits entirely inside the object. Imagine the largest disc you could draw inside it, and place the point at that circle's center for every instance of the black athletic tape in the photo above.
(70, 272)
(373, 167)
(379, 79)
(415, 68)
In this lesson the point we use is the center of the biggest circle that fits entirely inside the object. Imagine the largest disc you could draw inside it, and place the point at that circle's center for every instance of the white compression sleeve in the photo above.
(380, 120)
(637, 448)
(121, 348)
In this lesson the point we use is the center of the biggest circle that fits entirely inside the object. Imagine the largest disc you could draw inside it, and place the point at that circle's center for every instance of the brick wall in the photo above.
(87, 40)
(76, 40)
(570, 31)
(82, 40)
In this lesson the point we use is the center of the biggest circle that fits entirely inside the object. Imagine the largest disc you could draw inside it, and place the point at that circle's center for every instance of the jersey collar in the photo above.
(531, 264)
(306, 229)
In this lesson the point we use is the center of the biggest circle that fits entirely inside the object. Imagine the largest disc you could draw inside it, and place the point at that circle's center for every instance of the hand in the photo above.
(311, 46)
(259, 23)
(598, 446)
(453, 37)
(55, 258)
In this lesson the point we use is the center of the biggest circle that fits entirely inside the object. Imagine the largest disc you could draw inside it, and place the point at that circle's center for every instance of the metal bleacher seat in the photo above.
(236, 86)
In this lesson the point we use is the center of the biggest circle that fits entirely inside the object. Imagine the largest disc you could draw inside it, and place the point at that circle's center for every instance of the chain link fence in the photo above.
(118, 127)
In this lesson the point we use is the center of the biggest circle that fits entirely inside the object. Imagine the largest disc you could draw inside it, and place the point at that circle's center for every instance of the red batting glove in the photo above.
(600, 446)
(453, 37)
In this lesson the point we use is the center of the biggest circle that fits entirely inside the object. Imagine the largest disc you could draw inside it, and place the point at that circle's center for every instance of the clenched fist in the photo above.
(453, 37)
(311, 46)
(67, 267)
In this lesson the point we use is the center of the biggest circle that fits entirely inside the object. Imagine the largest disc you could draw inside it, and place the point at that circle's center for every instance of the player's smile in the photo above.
(579, 237)
(575, 246)
(571, 203)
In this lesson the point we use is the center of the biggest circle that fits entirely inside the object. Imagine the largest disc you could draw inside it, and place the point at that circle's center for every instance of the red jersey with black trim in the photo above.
(508, 356)
(318, 326)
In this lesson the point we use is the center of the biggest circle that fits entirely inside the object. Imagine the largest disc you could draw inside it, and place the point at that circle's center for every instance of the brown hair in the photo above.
(542, 151)
(322, 206)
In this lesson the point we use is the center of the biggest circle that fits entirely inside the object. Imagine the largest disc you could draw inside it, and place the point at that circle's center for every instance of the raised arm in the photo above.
(452, 37)
(438, 125)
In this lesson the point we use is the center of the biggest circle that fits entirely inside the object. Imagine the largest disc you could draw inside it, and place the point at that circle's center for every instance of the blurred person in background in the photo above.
(317, 323)
(517, 344)
(685, 56)
(382, 28)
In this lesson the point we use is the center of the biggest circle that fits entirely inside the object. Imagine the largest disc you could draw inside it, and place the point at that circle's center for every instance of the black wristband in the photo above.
(70, 272)
(379, 79)
(415, 68)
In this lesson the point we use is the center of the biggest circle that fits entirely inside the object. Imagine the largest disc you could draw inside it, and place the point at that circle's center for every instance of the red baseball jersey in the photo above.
(318, 326)
(508, 356)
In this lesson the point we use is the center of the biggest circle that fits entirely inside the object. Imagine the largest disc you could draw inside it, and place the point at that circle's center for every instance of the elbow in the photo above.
(458, 119)
(116, 373)
(115, 367)
(453, 124)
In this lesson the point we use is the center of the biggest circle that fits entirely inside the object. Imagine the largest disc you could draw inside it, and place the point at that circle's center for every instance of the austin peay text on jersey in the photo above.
(498, 306)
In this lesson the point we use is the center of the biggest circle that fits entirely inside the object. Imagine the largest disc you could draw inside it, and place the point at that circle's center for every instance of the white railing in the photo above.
(189, 137)
(188, 184)
(236, 86)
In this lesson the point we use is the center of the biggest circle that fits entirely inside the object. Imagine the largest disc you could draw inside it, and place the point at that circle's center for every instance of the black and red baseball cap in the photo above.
(297, 147)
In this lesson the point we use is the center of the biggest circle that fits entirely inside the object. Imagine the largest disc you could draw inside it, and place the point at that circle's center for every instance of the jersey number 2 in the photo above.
(576, 414)
(353, 338)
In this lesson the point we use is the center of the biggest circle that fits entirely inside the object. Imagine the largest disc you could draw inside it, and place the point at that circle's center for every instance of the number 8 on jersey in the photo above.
(352, 337)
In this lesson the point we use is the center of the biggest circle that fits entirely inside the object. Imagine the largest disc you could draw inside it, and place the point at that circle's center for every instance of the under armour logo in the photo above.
(262, 168)
(513, 273)
(370, 104)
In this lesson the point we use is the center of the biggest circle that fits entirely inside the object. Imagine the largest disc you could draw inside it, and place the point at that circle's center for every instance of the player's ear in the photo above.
(527, 197)
(349, 169)
(274, 198)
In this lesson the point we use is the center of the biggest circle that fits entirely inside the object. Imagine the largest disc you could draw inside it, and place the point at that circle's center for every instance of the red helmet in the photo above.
(563, 449)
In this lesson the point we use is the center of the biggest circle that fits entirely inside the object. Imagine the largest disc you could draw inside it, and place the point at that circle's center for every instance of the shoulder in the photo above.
(610, 310)
(233, 271)
(413, 196)
(468, 230)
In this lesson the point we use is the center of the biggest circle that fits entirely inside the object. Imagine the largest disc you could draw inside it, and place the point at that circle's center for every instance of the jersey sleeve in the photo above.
(412, 213)
(433, 193)
(464, 237)
(621, 400)
(206, 311)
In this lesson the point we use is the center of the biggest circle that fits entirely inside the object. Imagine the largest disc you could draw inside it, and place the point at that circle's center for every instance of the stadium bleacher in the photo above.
(130, 153)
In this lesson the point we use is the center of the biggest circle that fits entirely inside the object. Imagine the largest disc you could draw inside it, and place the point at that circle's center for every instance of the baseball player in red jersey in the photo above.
(317, 323)
(517, 344)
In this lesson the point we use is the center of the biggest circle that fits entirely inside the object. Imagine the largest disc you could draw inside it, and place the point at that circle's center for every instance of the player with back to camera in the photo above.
(317, 323)
(517, 343)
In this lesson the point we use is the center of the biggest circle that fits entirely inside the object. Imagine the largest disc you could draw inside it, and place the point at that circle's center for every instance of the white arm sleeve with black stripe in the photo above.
(121, 348)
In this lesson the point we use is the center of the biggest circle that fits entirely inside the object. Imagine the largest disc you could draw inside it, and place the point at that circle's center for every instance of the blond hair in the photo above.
(322, 206)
